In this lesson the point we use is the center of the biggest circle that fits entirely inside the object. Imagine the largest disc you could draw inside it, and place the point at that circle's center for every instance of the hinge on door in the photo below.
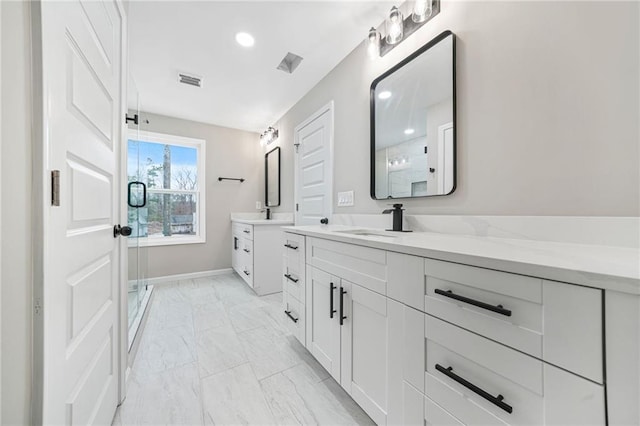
(37, 307)
(296, 146)
(55, 188)
(297, 207)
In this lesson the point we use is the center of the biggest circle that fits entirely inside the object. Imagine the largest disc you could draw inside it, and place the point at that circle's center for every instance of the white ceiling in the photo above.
(241, 86)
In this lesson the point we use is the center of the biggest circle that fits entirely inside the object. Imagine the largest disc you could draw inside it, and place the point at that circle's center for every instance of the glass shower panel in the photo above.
(136, 215)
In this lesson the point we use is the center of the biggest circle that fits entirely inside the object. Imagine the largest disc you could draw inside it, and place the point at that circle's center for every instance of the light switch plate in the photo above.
(345, 199)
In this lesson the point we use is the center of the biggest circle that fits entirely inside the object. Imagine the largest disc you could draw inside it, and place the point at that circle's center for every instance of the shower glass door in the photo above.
(138, 288)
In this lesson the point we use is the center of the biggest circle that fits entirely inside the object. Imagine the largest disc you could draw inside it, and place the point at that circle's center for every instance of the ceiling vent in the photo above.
(191, 80)
(290, 63)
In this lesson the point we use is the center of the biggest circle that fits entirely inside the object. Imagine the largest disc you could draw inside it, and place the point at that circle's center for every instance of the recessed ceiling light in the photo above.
(384, 95)
(408, 131)
(245, 39)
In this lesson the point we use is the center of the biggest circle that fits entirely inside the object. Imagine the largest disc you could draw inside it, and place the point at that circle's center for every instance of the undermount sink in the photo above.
(367, 233)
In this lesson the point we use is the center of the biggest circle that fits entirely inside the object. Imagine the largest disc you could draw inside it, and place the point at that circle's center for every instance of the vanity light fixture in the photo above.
(268, 136)
(395, 26)
(398, 28)
(422, 10)
(384, 95)
(245, 39)
(408, 131)
(373, 45)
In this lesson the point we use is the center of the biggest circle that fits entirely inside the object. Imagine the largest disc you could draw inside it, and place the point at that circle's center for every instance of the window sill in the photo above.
(164, 241)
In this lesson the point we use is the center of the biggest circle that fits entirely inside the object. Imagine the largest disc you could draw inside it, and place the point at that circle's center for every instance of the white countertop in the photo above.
(609, 268)
(263, 221)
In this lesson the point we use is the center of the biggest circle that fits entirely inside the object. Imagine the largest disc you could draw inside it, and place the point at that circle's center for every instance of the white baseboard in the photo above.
(188, 276)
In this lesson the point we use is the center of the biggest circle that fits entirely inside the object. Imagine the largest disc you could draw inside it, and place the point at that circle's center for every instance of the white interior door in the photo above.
(445, 158)
(314, 170)
(82, 72)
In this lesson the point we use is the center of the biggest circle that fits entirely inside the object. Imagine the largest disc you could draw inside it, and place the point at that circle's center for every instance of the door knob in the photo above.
(125, 231)
(324, 220)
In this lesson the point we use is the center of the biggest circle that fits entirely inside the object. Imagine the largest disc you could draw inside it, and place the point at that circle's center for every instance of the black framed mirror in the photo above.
(272, 178)
(413, 124)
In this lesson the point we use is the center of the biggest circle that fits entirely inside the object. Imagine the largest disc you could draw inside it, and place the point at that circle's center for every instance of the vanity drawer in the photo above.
(418, 410)
(482, 382)
(294, 320)
(245, 268)
(294, 247)
(292, 279)
(243, 229)
(557, 322)
(364, 266)
(246, 246)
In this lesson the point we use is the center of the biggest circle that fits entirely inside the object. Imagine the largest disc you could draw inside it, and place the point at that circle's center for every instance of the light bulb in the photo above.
(422, 9)
(395, 27)
(373, 45)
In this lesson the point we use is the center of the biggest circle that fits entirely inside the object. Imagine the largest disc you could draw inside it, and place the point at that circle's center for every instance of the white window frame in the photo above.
(200, 146)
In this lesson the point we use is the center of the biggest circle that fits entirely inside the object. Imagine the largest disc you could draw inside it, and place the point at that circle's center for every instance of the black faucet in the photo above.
(397, 217)
(267, 212)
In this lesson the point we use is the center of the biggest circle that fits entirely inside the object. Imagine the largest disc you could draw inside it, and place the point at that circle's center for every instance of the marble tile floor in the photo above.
(215, 353)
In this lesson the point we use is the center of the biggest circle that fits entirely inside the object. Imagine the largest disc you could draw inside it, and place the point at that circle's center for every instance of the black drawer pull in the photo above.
(246, 272)
(291, 247)
(496, 400)
(291, 316)
(498, 309)
(247, 250)
(331, 310)
(290, 278)
(342, 315)
(246, 231)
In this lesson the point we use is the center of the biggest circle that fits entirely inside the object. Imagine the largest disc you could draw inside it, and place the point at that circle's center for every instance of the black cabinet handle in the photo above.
(496, 400)
(246, 272)
(246, 231)
(291, 316)
(342, 316)
(331, 310)
(290, 278)
(291, 247)
(235, 243)
(498, 309)
(247, 250)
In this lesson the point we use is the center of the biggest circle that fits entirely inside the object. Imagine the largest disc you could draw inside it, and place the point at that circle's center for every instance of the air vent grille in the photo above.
(190, 80)
(290, 62)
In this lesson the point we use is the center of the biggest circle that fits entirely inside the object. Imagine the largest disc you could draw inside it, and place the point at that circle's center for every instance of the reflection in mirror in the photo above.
(412, 124)
(272, 178)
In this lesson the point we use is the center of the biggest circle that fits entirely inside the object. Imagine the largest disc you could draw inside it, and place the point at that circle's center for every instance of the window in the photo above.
(172, 168)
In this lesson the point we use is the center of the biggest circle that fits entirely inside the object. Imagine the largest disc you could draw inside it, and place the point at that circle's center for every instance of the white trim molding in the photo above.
(188, 276)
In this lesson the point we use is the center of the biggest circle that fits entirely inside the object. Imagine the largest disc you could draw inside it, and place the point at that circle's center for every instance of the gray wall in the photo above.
(15, 169)
(230, 153)
(547, 111)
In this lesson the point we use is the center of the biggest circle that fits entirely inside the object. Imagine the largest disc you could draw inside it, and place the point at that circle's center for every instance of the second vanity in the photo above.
(255, 250)
(454, 329)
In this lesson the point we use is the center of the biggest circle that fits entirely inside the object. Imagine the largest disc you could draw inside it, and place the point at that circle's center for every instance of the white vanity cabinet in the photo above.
(418, 340)
(347, 322)
(255, 254)
(293, 285)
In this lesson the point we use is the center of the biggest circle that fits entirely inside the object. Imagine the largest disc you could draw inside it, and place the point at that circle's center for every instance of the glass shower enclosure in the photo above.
(139, 290)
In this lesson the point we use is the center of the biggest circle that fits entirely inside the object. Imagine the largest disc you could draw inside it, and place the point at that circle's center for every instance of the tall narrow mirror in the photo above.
(272, 178)
(413, 124)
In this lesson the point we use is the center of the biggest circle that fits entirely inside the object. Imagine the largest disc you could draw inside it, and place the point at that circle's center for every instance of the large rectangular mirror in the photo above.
(272, 178)
(413, 117)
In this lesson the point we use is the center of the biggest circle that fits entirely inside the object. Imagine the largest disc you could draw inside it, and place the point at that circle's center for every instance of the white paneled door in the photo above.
(314, 170)
(82, 77)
